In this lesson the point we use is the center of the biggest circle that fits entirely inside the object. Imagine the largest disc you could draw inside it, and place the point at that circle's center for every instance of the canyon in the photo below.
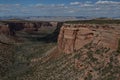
(9, 27)
(9, 30)
(59, 50)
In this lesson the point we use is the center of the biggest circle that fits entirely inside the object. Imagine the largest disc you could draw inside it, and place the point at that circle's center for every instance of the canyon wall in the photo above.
(73, 37)
(10, 29)
(26, 26)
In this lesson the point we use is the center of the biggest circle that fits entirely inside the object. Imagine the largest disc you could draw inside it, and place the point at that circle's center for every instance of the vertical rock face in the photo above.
(4, 34)
(4, 29)
(74, 37)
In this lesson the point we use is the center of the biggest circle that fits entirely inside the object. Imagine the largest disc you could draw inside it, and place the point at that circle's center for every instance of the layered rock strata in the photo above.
(75, 36)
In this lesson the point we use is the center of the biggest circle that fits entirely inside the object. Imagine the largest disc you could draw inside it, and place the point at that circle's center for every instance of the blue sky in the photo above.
(45, 1)
(93, 8)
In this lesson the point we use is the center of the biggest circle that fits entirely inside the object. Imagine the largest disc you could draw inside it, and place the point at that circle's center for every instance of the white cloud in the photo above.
(66, 7)
(75, 3)
(10, 7)
(87, 5)
(61, 4)
(49, 6)
(97, 8)
(17, 4)
(88, 2)
(57, 5)
(38, 5)
(107, 2)
(73, 8)
(72, 11)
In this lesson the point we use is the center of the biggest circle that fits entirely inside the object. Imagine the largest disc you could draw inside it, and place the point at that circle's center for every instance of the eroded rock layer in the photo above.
(75, 36)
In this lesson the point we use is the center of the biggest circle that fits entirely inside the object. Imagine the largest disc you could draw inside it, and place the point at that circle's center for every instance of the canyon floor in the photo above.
(39, 56)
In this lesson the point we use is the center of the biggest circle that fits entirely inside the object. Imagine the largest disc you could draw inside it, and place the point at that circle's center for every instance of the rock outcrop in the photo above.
(4, 29)
(74, 37)
(4, 34)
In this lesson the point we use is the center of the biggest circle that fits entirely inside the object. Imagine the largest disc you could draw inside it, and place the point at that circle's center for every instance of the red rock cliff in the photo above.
(73, 37)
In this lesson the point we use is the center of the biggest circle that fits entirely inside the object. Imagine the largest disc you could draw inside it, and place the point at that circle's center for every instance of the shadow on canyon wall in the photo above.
(33, 29)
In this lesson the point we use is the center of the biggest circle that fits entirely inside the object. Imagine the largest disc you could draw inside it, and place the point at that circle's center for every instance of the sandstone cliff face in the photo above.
(4, 34)
(4, 29)
(74, 37)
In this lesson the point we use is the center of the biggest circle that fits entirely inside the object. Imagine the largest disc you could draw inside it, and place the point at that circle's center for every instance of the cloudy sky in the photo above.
(93, 8)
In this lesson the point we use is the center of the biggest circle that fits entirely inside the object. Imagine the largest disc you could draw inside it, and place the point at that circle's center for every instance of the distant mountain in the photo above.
(44, 18)
(54, 18)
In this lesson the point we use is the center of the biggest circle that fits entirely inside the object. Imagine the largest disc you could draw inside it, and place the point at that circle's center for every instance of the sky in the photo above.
(92, 8)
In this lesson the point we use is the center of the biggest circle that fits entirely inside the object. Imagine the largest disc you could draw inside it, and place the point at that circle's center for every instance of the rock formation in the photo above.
(75, 36)
(4, 29)
(4, 34)
(94, 49)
